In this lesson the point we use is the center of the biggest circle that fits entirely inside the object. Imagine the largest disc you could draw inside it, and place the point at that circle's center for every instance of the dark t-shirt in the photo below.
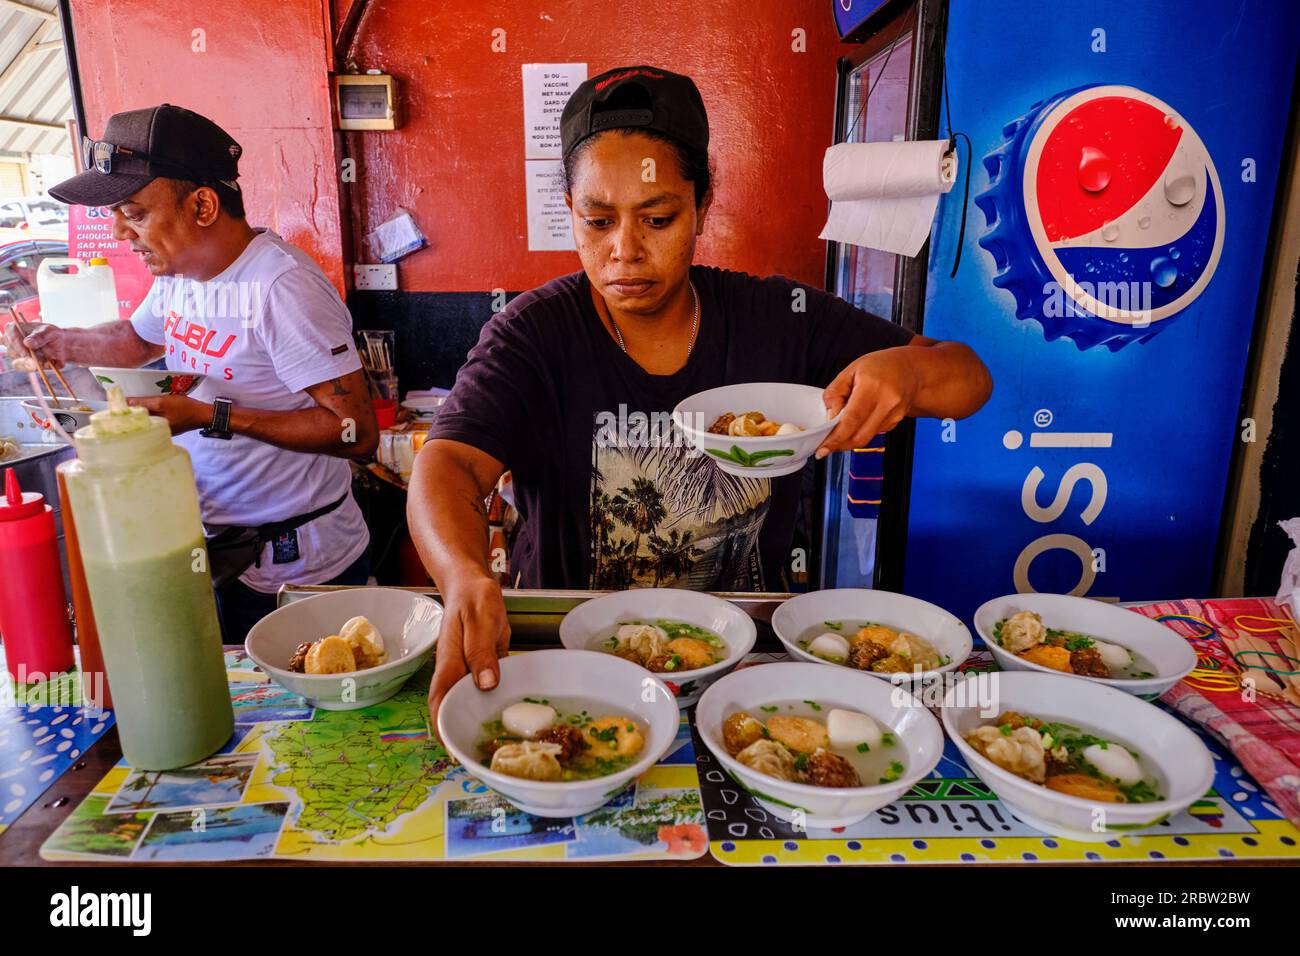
(548, 392)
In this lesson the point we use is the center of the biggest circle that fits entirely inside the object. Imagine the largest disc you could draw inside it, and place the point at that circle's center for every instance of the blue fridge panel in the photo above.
(1125, 167)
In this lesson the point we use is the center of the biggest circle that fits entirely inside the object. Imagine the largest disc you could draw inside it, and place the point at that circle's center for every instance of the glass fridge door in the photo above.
(873, 107)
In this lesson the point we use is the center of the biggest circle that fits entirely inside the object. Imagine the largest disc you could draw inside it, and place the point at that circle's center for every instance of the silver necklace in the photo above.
(695, 323)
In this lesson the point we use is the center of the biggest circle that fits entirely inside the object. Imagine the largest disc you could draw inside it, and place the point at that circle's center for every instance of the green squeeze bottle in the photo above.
(137, 513)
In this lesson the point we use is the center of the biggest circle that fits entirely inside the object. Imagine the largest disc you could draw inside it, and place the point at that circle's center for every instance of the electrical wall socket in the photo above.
(374, 277)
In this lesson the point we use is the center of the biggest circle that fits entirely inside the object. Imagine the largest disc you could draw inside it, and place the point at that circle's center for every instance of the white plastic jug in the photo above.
(76, 299)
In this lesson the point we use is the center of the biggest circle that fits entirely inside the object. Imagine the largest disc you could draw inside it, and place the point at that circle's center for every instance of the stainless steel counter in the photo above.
(535, 615)
(40, 452)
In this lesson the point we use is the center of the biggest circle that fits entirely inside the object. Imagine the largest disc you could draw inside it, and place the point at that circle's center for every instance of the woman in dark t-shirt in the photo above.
(571, 385)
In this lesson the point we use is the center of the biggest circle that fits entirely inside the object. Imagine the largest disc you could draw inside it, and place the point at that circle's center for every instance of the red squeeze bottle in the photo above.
(33, 604)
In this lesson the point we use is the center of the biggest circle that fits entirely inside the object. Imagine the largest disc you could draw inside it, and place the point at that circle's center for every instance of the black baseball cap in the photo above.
(636, 96)
(164, 140)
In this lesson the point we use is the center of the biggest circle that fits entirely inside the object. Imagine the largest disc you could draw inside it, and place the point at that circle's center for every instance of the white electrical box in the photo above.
(377, 277)
(367, 101)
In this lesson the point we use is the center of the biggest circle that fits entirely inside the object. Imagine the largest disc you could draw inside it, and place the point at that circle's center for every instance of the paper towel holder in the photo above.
(970, 158)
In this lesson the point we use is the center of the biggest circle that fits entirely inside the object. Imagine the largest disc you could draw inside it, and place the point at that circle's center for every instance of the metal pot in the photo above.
(40, 452)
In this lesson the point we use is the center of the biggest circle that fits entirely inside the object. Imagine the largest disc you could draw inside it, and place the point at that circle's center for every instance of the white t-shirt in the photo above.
(268, 327)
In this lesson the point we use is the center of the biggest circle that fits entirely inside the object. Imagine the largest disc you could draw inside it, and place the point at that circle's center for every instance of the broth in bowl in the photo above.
(870, 646)
(802, 742)
(664, 646)
(687, 638)
(1071, 652)
(560, 740)
(1065, 757)
(600, 720)
(893, 637)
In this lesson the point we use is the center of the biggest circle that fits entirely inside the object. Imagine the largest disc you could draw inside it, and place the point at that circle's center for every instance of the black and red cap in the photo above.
(163, 141)
(636, 96)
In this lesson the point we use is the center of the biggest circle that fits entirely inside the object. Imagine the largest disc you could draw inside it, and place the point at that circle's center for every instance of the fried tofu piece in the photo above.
(1086, 786)
(799, 733)
(330, 655)
(877, 634)
(1057, 658)
(608, 738)
(693, 653)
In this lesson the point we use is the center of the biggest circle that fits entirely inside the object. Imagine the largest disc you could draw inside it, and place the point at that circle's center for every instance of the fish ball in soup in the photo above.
(527, 719)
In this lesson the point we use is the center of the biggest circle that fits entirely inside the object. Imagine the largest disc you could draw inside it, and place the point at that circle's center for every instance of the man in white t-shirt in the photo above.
(283, 402)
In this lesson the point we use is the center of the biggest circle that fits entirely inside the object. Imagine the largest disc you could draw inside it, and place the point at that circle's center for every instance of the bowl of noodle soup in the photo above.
(582, 685)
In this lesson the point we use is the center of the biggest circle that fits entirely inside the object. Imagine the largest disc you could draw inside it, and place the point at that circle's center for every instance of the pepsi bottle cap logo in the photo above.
(1106, 215)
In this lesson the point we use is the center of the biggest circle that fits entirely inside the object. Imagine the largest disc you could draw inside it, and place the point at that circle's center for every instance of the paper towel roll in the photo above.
(883, 195)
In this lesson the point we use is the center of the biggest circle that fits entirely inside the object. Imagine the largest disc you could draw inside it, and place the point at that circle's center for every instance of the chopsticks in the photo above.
(374, 354)
(26, 330)
(377, 360)
(1290, 644)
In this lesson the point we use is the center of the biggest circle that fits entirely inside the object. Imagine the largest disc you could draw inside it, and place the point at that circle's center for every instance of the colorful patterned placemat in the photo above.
(371, 784)
(44, 730)
(1246, 686)
(952, 817)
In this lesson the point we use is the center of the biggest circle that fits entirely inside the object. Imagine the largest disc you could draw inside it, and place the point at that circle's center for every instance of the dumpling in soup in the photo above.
(1022, 631)
(529, 759)
(769, 757)
(917, 652)
(641, 641)
(1020, 751)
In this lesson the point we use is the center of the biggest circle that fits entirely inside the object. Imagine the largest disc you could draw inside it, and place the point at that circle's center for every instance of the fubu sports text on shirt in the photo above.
(262, 331)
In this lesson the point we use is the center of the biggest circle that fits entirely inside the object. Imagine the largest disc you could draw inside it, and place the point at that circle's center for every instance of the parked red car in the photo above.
(19, 260)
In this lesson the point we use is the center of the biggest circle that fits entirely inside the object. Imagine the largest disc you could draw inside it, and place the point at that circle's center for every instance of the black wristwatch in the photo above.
(220, 427)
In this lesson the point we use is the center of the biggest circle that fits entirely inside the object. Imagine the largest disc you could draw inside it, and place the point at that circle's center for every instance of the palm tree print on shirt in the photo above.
(662, 517)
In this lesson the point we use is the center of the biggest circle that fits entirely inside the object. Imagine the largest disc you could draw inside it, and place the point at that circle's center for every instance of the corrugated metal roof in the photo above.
(35, 96)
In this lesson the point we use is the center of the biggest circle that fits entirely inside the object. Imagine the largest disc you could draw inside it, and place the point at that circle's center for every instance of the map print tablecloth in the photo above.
(369, 784)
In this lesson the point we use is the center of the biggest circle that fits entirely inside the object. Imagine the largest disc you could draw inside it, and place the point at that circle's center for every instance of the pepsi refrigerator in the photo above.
(1123, 162)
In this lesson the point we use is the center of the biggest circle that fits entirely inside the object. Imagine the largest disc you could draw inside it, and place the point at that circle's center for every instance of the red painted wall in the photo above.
(263, 77)
(458, 162)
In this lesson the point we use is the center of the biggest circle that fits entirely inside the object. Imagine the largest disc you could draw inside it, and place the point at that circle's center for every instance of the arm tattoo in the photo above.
(338, 387)
(477, 504)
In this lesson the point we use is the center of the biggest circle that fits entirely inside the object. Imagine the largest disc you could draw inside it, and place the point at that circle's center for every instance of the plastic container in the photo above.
(33, 603)
(385, 412)
(137, 519)
(76, 294)
(94, 680)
